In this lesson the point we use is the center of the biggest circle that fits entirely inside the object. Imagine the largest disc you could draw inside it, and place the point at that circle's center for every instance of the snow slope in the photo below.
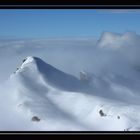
(63, 102)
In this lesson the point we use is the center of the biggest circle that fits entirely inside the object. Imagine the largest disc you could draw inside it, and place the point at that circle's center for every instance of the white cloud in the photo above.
(115, 40)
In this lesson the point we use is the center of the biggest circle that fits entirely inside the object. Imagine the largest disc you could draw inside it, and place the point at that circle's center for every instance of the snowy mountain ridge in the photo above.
(63, 102)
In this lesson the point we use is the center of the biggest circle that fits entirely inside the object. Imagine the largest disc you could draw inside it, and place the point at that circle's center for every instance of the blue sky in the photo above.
(48, 23)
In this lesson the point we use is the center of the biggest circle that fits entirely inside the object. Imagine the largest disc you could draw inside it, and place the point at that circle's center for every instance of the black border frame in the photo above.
(70, 5)
(78, 6)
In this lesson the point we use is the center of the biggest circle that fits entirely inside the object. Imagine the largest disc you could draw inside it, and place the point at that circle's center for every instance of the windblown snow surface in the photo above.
(108, 101)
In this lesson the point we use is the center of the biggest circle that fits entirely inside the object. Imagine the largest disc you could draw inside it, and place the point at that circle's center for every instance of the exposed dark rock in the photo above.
(102, 113)
(85, 77)
(118, 117)
(24, 60)
(35, 118)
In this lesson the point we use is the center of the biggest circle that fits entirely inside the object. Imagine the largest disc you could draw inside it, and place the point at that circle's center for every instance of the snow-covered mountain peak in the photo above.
(50, 94)
(27, 60)
(35, 69)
